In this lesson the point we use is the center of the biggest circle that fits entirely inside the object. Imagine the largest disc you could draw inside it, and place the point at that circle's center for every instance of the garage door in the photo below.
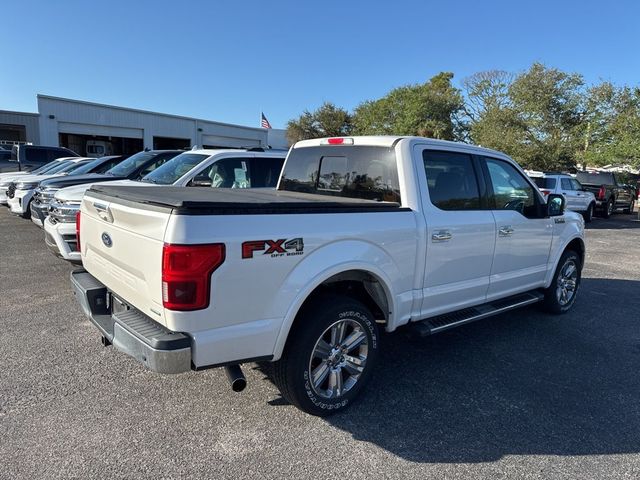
(84, 129)
(219, 141)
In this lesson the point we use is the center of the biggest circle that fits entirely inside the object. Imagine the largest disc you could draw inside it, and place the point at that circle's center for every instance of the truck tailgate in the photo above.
(122, 248)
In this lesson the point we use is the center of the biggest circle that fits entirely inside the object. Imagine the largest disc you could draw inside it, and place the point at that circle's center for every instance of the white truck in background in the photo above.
(363, 234)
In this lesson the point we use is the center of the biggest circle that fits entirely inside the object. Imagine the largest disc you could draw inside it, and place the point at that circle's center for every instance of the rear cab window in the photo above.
(603, 178)
(369, 173)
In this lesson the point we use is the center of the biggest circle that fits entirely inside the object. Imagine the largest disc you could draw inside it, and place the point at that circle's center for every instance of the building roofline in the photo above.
(13, 112)
(148, 112)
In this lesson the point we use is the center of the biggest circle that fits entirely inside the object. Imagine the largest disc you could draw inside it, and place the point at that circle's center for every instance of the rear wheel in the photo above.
(561, 294)
(588, 215)
(329, 356)
(608, 209)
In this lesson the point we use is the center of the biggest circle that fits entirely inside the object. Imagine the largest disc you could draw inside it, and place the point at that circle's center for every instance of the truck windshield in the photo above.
(88, 167)
(73, 166)
(175, 168)
(46, 167)
(59, 167)
(598, 178)
(131, 164)
(369, 173)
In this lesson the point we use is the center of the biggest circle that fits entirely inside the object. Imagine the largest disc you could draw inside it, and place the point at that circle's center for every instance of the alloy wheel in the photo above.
(567, 282)
(338, 359)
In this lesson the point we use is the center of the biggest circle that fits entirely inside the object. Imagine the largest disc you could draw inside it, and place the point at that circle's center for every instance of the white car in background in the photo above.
(20, 192)
(213, 168)
(578, 199)
(7, 178)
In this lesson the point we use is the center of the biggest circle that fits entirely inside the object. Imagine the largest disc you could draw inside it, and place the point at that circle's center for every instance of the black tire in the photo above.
(553, 302)
(631, 207)
(608, 208)
(588, 215)
(292, 373)
(27, 214)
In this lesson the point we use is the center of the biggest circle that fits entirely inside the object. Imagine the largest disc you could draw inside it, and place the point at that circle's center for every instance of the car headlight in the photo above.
(26, 186)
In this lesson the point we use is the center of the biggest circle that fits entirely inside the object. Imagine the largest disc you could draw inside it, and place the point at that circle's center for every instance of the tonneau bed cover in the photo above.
(221, 201)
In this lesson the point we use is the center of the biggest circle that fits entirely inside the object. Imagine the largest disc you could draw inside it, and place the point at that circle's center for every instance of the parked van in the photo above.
(99, 148)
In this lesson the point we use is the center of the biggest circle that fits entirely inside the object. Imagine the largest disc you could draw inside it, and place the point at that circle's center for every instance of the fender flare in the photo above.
(561, 250)
(315, 282)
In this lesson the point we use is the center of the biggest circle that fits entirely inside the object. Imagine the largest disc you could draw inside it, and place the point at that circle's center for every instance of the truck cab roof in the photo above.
(391, 140)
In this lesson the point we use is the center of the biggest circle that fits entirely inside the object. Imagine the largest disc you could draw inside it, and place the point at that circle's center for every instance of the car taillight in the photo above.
(602, 193)
(186, 274)
(78, 230)
(545, 192)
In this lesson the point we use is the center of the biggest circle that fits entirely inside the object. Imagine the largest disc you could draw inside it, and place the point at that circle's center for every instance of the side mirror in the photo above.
(555, 205)
(201, 181)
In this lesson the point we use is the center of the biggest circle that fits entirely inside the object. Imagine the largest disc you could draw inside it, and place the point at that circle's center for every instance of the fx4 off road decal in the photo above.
(273, 248)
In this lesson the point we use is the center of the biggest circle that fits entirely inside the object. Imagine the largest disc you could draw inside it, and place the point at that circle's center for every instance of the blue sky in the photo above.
(227, 60)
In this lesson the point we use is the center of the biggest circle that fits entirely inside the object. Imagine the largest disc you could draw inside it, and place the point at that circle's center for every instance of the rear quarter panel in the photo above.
(270, 288)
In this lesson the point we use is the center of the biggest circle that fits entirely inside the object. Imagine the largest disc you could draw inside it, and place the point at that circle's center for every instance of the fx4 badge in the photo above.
(274, 248)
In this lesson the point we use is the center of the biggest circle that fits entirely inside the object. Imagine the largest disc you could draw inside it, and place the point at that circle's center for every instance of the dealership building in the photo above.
(76, 124)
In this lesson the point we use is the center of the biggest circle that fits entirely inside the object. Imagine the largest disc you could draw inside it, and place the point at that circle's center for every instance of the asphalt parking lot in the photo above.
(522, 395)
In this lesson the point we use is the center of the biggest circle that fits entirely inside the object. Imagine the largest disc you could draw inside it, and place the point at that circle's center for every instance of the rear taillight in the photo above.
(602, 193)
(78, 230)
(545, 192)
(186, 274)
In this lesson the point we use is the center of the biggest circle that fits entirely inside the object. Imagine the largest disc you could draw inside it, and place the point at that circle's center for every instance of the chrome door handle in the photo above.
(441, 236)
(505, 231)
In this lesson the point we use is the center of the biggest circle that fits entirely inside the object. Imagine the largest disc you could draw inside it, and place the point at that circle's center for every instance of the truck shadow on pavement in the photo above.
(521, 383)
(616, 221)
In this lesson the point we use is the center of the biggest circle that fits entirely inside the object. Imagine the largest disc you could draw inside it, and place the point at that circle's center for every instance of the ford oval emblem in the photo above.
(106, 239)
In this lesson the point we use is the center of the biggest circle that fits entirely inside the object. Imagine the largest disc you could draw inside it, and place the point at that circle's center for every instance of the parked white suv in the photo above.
(363, 234)
(20, 192)
(216, 168)
(578, 198)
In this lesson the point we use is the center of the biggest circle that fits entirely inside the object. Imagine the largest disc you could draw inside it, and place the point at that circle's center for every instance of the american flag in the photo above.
(264, 123)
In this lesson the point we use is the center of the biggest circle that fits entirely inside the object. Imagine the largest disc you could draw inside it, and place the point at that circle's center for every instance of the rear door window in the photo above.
(566, 184)
(451, 180)
(576, 184)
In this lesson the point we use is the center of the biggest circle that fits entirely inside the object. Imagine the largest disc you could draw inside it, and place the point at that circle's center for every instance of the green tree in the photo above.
(326, 121)
(612, 126)
(429, 109)
(537, 117)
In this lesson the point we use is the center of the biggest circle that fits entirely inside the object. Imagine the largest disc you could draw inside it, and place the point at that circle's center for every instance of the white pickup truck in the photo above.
(363, 235)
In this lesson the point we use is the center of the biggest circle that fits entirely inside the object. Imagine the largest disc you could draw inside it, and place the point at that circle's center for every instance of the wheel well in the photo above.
(359, 285)
(577, 246)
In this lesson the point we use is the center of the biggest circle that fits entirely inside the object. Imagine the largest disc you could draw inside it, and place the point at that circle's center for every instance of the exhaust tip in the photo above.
(238, 385)
(236, 377)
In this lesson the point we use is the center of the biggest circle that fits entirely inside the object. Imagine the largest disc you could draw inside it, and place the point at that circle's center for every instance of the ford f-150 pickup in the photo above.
(362, 235)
